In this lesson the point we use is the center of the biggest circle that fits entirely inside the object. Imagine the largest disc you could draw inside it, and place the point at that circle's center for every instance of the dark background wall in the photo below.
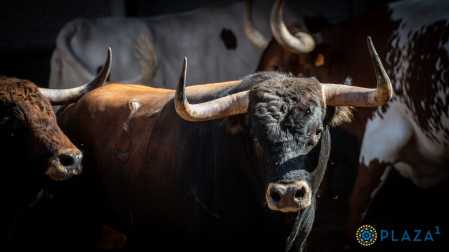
(29, 28)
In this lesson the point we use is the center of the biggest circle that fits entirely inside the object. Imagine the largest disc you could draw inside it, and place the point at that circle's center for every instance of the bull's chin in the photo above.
(287, 209)
(59, 174)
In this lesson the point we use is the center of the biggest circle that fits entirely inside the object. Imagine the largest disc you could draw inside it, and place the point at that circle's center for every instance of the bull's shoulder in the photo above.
(128, 89)
(198, 91)
(116, 94)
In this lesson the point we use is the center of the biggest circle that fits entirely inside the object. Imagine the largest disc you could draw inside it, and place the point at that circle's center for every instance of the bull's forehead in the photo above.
(34, 109)
(26, 96)
(281, 95)
(295, 89)
(285, 111)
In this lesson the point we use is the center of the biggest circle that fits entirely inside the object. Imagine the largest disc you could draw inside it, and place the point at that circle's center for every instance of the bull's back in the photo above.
(132, 136)
(114, 120)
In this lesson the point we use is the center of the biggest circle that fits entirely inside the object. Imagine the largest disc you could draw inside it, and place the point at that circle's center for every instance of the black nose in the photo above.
(71, 160)
(298, 193)
(288, 197)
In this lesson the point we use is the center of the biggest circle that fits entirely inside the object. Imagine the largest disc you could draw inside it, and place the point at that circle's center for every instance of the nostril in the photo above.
(275, 195)
(300, 193)
(67, 159)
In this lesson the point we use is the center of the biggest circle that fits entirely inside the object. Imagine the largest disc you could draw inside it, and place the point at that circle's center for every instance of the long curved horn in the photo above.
(301, 42)
(342, 95)
(65, 96)
(254, 35)
(222, 107)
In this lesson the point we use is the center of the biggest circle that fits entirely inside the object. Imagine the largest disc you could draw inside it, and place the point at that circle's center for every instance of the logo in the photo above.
(416, 235)
(366, 235)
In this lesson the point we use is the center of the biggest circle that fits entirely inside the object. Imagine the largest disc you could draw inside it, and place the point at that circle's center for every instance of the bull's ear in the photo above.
(336, 115)
(233, 123)
(237, 123)
(320, 55)
(319, 60)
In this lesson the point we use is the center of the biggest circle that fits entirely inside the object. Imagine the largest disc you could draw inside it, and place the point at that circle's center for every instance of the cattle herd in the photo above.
(233, 165)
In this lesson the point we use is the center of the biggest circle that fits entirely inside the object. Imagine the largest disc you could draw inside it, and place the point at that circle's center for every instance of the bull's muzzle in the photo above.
(64, 164)
(289, 197)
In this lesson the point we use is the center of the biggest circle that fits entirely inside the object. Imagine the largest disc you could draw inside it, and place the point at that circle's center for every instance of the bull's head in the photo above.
(29, 134)
(286, 118)
(292, 49)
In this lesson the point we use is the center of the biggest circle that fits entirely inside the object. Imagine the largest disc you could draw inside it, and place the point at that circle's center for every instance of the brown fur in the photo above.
(36, 110)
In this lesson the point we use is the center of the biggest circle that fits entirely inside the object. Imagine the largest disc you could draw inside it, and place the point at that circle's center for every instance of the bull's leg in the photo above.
(369, 181)
(385, 136)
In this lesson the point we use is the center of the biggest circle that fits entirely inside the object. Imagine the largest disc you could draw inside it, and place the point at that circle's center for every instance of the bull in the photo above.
(238, 168)
(33, 148)
(409, 133)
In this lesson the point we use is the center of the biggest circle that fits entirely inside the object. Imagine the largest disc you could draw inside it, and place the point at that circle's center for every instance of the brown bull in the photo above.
(32, 146)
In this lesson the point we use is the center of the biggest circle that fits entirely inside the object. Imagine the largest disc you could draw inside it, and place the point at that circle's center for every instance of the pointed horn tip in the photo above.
(107, 63)
(371, 47)
(369, 40)
(184, 66)
(279, 4)
(182, 78)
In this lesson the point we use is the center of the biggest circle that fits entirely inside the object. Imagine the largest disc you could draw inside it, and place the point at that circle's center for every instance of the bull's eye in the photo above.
(6, 125)
(315, 138)
(5, 119)
(308, 112)
(275, 68)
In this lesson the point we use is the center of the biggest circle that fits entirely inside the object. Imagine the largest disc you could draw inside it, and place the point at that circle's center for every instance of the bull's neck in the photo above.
(239, 165)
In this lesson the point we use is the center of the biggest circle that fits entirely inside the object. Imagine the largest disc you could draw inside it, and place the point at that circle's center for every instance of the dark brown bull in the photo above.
(239, 173)
(32, 146)
(410, 133)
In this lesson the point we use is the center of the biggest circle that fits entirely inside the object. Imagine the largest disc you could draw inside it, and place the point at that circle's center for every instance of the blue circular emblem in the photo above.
(366, 235)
